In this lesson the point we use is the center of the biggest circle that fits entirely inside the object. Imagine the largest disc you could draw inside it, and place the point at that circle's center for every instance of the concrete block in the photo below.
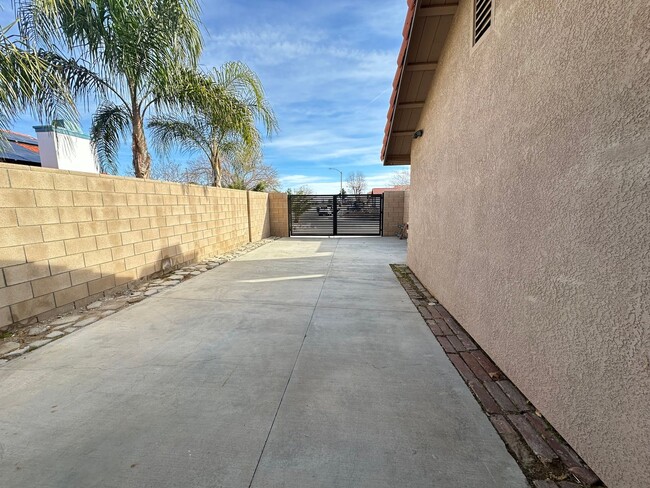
(154, 200)
(104, 213)
(98, 257)
(127, 212)
(135, 261)
(126, 277)
(14, 294)
(108, 241)
(5, 317)
(26, 272)
(35, 306)
(44, 250)
(87, 199)
(142, 247)
(152, 257)
(37, 216)
(146, 187)
(69, 182)
(51, 284)
(123, 251)
(114, 199)
(70, 295)
(8, 217)
(84, 275)
(66, 263)
(150, 234)
(115, 226)
(147, 270)
(80, 245)
(131, 237)
(141, 223)
(75, 214)
(15, 236)
(145, 211)
(158, 244)
(135, 199)
(30, 179)
(13, 198)
(101, 284)
(92, 228)
(124, 185)
(53, 198)
(57, 232)
(113, 267)
(101, 184)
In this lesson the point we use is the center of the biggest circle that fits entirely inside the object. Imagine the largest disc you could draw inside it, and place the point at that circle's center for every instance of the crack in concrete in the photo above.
(311, 320)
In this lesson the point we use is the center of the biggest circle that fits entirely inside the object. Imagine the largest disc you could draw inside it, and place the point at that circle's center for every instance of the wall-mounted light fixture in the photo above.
(417, 134)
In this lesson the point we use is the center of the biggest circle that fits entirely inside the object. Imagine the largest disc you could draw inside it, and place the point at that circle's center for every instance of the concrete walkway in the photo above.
(302, 364)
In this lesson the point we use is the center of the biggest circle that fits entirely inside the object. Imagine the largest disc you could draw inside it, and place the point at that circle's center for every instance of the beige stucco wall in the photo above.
(68, 238)
(530, 212)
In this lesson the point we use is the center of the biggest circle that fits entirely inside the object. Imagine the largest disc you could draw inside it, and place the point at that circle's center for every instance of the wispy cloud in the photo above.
(327, 68)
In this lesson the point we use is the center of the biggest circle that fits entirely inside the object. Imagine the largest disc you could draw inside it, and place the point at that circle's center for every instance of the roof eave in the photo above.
(401, 107)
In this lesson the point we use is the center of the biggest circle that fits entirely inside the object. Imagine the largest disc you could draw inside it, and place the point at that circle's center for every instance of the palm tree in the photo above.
(29, 81)
(134, 52)
(223, 117)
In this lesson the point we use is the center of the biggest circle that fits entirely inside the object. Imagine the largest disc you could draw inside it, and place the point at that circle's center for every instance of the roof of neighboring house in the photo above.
(379, 191)
(19, 148)
(425, 30)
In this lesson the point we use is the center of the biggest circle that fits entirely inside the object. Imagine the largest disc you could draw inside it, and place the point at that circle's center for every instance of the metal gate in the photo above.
(336, 215)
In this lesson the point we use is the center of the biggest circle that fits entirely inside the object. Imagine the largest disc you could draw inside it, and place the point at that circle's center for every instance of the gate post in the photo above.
(334, 214)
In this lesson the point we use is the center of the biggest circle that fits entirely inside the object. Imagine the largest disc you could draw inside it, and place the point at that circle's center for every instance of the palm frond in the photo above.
(243, 83)
(110, 124)
(28, 81)
(169, 132)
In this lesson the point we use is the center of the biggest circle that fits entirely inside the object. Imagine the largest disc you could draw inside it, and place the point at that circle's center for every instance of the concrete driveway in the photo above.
(302, 364)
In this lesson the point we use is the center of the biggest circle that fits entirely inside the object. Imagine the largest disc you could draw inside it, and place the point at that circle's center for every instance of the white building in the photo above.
(63, 146)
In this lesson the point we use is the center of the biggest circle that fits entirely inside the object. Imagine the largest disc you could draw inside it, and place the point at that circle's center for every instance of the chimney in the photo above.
(63, 146)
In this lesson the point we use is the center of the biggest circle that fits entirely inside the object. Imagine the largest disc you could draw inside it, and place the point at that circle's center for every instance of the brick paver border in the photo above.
(544, 456)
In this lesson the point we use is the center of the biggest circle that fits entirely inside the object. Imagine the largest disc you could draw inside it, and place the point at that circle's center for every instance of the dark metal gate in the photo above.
(336, 215)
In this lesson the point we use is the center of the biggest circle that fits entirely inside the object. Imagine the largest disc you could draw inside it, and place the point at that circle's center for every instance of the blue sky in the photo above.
(327, 68)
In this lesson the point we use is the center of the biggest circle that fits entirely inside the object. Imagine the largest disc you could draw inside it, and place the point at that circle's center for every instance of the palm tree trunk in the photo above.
(141, 158)
(216, 169)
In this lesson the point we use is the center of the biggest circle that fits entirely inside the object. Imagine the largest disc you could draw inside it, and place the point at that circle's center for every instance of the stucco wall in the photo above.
(68, 238)
(530, 212)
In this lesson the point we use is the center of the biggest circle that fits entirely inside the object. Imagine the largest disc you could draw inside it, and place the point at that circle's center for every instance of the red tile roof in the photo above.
(406, 34)
(425, 31)
(379, 191)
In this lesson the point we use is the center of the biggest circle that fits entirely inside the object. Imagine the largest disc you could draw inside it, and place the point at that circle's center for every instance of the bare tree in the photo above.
(168, 170)
(401, 178)
(357, 182)
(247, 171)
(199, 172)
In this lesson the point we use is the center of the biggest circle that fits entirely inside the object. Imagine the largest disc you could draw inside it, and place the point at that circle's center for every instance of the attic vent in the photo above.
(482, 18)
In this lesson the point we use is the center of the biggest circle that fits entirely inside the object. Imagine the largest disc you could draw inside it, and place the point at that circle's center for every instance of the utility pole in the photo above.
(334, 169)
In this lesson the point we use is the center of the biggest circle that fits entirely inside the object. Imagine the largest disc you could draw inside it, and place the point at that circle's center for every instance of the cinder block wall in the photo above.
(68, 238)
(279, 204)
(393, 212)
(259, 215)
